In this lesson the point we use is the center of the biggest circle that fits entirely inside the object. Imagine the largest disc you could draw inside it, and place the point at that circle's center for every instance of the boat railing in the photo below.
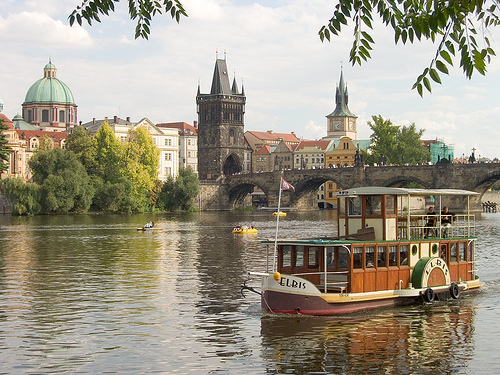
(337, 280)
(463, 225)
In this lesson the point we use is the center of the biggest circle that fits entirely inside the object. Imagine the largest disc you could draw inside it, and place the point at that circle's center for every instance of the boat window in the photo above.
(381, 256)
(443, 252)
(374, 205)
(354, 206)
(299, 256)
(461, 250)
(357, 257)
(342, 258)
(390, 207)
(434, 249)
(414, 250)
(403, 255)
(453, 252)
(470, 257)
(341, 206)
(330, 258)
(287, 256)
(312, 257)
(370, 256)
(393, 254)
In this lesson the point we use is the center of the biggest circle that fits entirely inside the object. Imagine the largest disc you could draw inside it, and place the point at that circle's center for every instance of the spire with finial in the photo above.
(341, 98)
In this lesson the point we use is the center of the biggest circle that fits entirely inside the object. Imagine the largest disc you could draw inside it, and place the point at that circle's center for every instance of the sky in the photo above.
(272, 47)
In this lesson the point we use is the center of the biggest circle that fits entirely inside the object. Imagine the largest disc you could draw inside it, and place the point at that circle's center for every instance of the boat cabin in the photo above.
(383, 233)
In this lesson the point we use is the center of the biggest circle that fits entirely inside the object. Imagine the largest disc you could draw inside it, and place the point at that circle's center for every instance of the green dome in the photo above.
(49, 89)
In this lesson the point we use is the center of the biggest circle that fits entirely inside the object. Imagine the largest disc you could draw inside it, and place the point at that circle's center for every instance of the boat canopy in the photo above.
(381, 190)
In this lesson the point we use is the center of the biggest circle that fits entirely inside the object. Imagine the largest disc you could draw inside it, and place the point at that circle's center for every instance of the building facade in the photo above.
(49, 103)
(188, 143)
(221, 142)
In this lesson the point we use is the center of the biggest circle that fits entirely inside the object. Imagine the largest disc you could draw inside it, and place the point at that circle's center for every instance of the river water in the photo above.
(91, 294)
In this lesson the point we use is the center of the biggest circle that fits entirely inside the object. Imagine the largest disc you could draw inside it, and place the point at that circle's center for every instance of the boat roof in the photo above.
(381, 190)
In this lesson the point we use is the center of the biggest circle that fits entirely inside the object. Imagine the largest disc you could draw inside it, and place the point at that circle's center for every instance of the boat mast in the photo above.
(275, 257)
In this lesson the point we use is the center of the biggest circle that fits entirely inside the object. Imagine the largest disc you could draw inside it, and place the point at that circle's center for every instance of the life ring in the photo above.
(454, 291)
(429, 295)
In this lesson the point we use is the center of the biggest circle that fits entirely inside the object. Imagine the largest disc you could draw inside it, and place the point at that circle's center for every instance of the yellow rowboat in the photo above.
(245, 231)
(281, 213)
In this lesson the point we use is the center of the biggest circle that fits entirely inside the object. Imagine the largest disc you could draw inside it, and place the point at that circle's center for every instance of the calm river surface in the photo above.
(91, 294)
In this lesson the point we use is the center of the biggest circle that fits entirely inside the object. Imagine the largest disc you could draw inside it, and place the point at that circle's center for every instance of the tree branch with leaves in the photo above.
(142, 10)
(460, 27)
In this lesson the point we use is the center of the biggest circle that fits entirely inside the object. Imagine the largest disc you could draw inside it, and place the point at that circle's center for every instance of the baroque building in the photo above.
(49, 103)
(221, 142)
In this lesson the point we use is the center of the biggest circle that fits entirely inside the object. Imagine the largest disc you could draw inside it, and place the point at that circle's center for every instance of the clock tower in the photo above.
(341, 122)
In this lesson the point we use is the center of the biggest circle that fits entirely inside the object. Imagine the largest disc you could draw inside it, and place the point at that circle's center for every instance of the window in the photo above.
(393, 254)
(357, 257)
(370, 256)
(45, 115)
(330, 258)
(470, 256)
(381, 256)
(189, 142)
(462, 250)
(168, 156)
(312, 259)
(299, 256)
(443, 252)
(61, 116)
(403, 255)
(354, 206)
(168, 171)
(342, 258)
(373, 205)
(390, 207)
(453, 252)
(287, 256)
(168, 142)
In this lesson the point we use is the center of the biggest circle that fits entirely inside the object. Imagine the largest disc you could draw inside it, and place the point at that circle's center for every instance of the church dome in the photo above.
(49, 89)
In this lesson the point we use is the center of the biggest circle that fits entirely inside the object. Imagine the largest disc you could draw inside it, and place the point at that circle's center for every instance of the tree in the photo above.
(392, 144)
(143, 10)
(109, 152)
(177, 194)
(64, 183)
(81, 144)
(454, 24)
(23, 196)
(4, 149)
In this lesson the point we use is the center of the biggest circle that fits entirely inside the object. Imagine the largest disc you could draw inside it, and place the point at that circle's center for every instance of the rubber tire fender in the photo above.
(454, 291)
(429, 295)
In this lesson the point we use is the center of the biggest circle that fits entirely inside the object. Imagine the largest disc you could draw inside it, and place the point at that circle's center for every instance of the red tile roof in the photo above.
(321, 144)
(267, 136)
(183, 127)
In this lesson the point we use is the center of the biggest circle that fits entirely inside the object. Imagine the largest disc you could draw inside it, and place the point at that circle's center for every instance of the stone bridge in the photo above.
(476, 177)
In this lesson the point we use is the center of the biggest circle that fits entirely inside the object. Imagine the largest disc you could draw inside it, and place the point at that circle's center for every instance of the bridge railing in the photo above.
(462, 226)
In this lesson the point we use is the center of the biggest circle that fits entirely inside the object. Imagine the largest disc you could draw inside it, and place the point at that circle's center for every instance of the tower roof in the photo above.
(341, 100)
(49, 89)
(220, 80)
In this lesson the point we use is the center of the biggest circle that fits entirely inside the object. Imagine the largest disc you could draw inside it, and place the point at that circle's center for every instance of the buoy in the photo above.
(277, 276)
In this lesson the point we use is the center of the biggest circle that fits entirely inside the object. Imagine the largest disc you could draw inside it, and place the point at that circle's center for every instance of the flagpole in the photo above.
(275, 262)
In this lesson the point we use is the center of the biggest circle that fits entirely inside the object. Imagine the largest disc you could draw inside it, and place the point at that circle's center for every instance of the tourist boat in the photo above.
(380, 257)
(245, 231)
(280, 213)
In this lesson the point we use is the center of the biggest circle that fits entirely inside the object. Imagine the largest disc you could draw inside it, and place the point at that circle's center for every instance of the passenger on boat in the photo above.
(431, 222)
(447, 219)
(149, 224)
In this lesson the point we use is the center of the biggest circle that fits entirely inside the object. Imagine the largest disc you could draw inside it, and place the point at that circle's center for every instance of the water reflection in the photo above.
(424, 339)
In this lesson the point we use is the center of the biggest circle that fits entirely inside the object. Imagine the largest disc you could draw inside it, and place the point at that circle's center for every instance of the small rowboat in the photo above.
(245, 231)
(147, 229)
(281, 213)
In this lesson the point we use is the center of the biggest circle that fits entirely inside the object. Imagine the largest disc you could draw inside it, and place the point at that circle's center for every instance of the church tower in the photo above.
(221, 141)
(341, 122)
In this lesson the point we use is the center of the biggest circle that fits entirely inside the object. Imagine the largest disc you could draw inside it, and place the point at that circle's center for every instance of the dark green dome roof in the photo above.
(49, 89)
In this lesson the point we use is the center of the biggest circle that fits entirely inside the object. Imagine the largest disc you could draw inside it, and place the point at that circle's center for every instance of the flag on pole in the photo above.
(286, 185)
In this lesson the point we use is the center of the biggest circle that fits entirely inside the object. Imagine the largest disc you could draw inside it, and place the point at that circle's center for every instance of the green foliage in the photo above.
(392, 144)
(46, 143)
(23, 196)
(4, 149)
(64, 183)
(177, 194)
(142, 10)
(81, 144)
(454, 25)
(109, 154)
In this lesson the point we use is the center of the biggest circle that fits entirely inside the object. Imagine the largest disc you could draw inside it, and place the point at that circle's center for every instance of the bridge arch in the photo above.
(232, 165)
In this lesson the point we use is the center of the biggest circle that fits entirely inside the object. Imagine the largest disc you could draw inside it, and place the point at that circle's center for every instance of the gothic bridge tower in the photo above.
(221, 141)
